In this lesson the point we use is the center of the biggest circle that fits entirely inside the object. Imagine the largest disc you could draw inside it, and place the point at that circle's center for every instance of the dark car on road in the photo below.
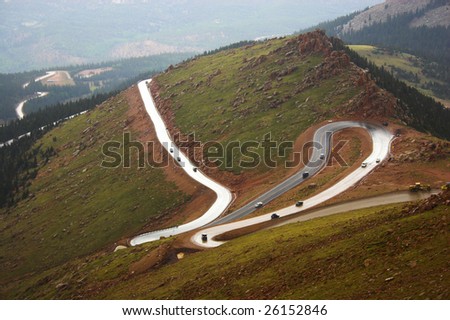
(274, 216)
(299, 203)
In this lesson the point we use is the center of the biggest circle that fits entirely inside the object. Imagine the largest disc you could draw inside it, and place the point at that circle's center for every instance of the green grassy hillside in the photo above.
(390, 252)
(241, 95)
(77, 207)
(59, 242)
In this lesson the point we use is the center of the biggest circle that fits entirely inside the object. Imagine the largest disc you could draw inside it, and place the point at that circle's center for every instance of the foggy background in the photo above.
(37, 34)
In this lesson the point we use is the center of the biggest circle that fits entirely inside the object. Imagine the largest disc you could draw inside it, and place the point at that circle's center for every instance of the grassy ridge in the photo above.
(241, 95)
(379, 253)
(76, 206)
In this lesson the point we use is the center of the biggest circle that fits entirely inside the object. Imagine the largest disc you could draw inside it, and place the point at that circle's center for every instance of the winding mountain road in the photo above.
(224, 196)
(381, 139)
(398, 197)
(19, 109)
(322, 141)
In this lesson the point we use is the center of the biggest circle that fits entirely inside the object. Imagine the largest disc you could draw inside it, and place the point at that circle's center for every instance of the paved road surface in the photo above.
(381, 140)
(322, 138)
(19, 109)
(224, 196)
(390, 198)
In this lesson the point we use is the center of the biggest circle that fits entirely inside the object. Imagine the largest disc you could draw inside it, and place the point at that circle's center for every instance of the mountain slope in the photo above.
(427, 13)
(280, 87)
(434, 16)
(353, 256)
(397, 32)
(286, 87)
(390, 252)
(77, 207)
(439, 16)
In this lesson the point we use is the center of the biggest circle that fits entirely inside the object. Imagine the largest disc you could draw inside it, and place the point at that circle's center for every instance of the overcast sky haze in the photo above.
(44, 33)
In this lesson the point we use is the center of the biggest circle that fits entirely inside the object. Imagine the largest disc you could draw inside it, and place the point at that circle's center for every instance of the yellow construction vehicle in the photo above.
(419, 187)
(446, 186)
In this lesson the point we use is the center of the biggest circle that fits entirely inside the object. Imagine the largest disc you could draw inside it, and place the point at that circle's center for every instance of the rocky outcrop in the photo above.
(313, 43)
(423, 150)
(254, 62)
(371, 102)
(277, 75)
(216, 73)
(334, 64)
(429, 204)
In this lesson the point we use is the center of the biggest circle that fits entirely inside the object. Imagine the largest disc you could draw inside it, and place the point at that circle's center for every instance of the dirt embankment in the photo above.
(415, 157)
(163, 255)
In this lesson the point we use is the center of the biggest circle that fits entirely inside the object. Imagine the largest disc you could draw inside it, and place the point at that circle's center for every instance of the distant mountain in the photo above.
(420, 28)
(438, 14)
(35, 34)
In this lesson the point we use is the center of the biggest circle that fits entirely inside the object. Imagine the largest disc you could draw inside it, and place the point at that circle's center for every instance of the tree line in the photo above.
(431, 43)
(424, 113)
(124, 70)
(235, 45)
(12, 92)
(49, 115)
(19, 163)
